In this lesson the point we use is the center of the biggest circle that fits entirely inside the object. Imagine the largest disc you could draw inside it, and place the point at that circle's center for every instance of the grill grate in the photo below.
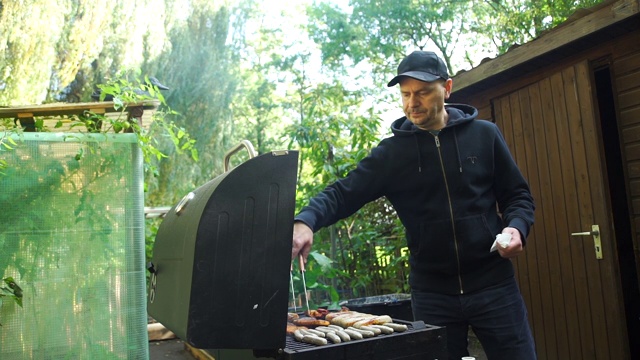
(420, 341)
(295, 345)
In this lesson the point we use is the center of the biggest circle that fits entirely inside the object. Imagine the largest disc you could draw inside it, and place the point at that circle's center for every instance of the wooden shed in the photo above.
(568, 104)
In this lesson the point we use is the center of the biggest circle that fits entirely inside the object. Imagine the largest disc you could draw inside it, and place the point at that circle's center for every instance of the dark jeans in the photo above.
(497, 315)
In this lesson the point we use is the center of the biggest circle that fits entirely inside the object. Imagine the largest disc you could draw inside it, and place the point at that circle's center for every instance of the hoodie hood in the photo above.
(458, 114)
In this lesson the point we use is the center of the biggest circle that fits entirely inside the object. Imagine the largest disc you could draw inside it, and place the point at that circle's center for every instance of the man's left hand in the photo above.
(515, 247)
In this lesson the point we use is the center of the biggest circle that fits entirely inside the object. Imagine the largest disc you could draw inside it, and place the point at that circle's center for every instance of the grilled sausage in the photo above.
(292, 316)
(353, 334)
(346, 321)
(315, 340)
(385, 329)
(397, 327)
(291, 328)
(374, 330)
(317, 333)
(333, 315)
(364, 322)
(334, 338)
(310, 322)
(382, 319)
(318, 313)
(365, 333)
(298, 335)
(326, 329)
(343, 335)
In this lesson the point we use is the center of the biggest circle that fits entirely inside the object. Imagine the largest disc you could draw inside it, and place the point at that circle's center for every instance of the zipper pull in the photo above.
(437, 141)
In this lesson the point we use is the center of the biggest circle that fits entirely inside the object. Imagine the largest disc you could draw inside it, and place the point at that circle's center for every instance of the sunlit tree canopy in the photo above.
(306, 75)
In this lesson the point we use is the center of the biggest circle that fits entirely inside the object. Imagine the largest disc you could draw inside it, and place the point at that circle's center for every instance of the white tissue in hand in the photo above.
(503, 240)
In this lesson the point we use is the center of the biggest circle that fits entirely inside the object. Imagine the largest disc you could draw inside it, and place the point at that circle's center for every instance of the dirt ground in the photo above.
(168, 349)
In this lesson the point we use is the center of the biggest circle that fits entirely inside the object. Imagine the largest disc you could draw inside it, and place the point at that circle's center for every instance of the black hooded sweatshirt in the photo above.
(454, 191)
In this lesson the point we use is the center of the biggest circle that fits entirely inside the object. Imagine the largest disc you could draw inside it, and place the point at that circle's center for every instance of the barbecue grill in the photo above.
(220, 271)
(419, 342)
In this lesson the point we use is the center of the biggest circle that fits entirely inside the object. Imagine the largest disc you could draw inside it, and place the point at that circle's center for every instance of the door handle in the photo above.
(595, 232)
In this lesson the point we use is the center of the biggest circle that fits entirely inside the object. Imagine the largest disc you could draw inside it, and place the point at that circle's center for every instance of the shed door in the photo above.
(574, 299)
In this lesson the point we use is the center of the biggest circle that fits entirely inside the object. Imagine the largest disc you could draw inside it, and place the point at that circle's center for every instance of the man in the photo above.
(455, 187)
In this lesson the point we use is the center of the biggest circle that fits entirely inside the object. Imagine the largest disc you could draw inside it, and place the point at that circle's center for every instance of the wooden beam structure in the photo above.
(585, 25)
(26, 115)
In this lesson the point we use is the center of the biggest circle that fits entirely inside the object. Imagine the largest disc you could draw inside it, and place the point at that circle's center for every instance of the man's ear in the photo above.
(448, 87)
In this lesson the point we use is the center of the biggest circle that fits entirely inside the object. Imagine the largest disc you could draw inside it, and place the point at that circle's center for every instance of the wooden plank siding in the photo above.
(547, 255)
(565, 178)
(550, 127)
(585, 148)
(559, 223)
(626, 73)
(534, 279)
(550, 119)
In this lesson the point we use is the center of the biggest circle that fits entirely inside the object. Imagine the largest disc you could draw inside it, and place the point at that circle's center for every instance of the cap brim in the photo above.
(418, 75)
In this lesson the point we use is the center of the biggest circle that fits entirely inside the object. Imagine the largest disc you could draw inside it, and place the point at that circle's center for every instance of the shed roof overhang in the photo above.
(587, 27)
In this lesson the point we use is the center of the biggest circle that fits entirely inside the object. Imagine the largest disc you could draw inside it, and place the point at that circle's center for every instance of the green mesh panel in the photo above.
(72, 236)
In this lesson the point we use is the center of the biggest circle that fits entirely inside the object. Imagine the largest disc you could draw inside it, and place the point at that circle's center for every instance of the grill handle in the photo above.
(243, 144)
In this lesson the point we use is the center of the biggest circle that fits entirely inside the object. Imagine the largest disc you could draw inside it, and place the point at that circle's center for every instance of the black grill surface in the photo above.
(420, 341)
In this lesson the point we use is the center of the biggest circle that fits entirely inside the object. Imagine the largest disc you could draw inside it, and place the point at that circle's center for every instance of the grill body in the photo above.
(220, 272)
(421, 341)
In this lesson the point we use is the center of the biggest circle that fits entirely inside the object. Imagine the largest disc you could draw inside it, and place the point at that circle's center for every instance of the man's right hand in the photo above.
(302, 240)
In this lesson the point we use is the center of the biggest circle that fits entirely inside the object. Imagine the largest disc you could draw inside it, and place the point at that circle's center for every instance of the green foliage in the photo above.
(11, 290)
(515, 22)
(318, 270)
(69, 238)
(7, 143)
(129, 94)
(333, 135)
(368, 250)
(67, 177)
(151, 229)
(257, 104)
(226, 87)
(380, 33)
(201, 69)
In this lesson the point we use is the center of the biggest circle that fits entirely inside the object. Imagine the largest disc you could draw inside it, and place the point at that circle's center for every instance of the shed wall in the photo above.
(560, 311)
(623, 55)
(626, 72)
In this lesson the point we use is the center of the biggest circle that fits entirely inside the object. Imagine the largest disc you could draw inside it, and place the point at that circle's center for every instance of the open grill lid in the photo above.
(221, 258)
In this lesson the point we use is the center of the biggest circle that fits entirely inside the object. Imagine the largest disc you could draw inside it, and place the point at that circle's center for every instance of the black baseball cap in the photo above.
(421, 65)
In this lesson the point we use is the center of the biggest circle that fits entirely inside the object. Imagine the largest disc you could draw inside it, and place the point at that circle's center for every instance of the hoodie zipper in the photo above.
(446, 183)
